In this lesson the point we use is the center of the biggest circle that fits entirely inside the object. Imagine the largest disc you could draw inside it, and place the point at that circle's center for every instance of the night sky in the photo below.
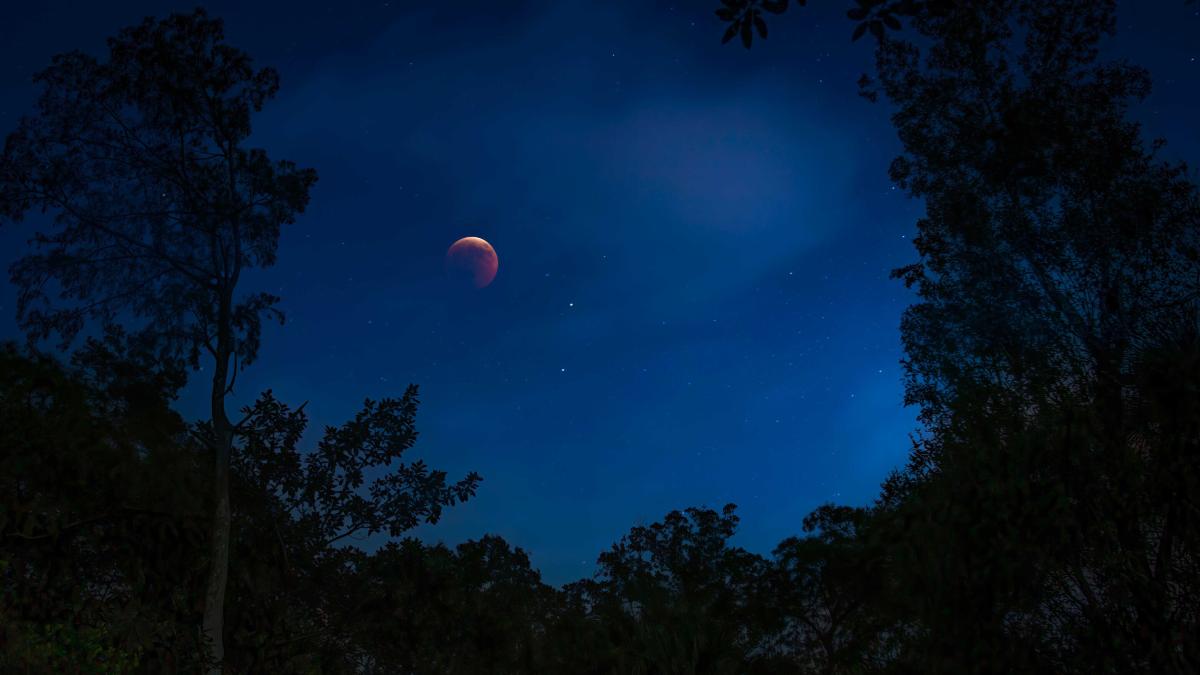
(693, 304)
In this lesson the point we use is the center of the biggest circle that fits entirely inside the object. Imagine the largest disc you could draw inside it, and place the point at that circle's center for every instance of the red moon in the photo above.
(473, 260)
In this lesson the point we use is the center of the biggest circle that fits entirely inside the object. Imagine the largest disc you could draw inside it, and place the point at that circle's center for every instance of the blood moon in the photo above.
(472, 260)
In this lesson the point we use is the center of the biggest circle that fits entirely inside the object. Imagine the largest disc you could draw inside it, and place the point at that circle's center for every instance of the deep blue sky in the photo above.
(692, 306)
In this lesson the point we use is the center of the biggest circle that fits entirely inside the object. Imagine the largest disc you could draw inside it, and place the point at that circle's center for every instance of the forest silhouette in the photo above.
(1047, 519)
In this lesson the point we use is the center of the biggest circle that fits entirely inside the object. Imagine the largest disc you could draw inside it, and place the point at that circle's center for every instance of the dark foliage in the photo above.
(158, 208)
(102, 515)
(1047, 520)
(1035, 528)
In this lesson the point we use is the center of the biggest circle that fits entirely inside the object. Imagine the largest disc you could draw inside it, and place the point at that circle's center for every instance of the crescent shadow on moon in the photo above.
(472, 260)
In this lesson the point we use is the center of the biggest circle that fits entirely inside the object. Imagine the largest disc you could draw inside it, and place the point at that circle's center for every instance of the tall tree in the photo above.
(159, 207)
(1054, 250)
(1058, 275)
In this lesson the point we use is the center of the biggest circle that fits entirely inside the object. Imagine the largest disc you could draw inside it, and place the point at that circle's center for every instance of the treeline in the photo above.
(105, 543)
(1047, 520)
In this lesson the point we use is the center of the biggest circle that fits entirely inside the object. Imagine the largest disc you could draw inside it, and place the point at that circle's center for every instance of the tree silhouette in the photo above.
(102, 533)
(477, 608)
(675, 595)
(1055, 248)
(159, 208)
(308, 504)
(1047, 520)
(1036, 527)
(824, 593)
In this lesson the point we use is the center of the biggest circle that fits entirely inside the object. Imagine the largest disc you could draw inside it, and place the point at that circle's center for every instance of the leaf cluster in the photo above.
(157, 204)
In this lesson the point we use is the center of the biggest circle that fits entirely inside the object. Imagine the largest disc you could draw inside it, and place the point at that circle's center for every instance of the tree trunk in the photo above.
(218, 573)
